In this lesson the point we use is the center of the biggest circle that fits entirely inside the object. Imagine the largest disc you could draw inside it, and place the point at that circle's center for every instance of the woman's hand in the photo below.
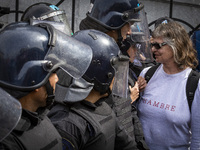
(141, 83)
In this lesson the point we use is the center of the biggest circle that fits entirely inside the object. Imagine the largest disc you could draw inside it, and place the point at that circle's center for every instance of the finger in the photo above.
(143, 82)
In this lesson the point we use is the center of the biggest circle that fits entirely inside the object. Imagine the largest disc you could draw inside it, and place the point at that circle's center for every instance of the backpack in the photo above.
(191, 86)
(196, 41)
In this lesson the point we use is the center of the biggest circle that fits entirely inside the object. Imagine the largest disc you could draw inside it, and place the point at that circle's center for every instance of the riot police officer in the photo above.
(43, 12)
(118, 19)
(82, 117)
(30, 55)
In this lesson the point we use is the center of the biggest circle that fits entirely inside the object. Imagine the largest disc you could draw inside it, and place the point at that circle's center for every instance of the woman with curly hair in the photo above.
(163, 108)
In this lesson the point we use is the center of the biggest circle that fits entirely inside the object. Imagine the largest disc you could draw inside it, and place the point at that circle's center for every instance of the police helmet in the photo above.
(46, 11)
(105, 49)
(29, 54)
(114, 14)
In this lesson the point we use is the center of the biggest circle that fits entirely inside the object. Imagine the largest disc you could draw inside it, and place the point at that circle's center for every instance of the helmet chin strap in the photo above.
(50, 94)
(120, 38)
(124, 45)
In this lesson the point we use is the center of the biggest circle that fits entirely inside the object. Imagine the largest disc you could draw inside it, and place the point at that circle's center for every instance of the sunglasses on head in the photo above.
(158, 45)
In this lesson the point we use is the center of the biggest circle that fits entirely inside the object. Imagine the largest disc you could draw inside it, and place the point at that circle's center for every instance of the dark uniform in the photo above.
(33, 132)
(111, 16)
(87, 126)
(26, 71)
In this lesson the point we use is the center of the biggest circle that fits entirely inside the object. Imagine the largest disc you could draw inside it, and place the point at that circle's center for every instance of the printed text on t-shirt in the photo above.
(159, 105)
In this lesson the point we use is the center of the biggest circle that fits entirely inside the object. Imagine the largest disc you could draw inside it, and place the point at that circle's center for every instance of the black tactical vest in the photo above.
(122, 108)
(103, 121)
(42, 136)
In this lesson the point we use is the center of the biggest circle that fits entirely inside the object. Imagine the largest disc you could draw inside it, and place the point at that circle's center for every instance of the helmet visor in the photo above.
(121, 65)
(10, 110)
(72, 56)
(57, 25)
(140, 38)
(61, 18)
(139, 30)
(42, 50)
(137, 34)
(56, 16)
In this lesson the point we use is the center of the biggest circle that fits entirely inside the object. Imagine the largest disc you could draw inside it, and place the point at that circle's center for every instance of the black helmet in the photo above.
(29, 54)
(114, 14)
(45, 11)
(105, 51)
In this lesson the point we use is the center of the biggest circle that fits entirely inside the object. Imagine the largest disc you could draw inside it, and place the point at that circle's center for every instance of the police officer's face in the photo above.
(126, 30)
(42, 92)
(53, 79)
(132, 53)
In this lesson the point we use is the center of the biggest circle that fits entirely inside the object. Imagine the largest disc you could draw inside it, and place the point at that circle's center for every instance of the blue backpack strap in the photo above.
(191, 86)
(150, 72)
(67, 145)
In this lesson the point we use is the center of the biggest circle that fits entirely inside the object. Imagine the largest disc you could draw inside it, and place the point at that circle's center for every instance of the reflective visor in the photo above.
(56, 16)
(71, 55)
(137, 34)
(52, 15)
(139, 30)
(28, 65)
(140, 38)
(10, 110)
(57, 25)
(121, 66)
(60, 18)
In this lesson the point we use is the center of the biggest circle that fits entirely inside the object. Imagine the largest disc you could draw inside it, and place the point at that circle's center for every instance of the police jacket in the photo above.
(87, 126)
(33, 132)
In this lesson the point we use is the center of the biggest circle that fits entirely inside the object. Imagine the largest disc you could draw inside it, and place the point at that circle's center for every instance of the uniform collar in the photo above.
(92, 105)
(30, 119)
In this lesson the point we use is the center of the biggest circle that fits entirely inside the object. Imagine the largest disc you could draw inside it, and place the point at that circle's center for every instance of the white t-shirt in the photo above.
(164, 112)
